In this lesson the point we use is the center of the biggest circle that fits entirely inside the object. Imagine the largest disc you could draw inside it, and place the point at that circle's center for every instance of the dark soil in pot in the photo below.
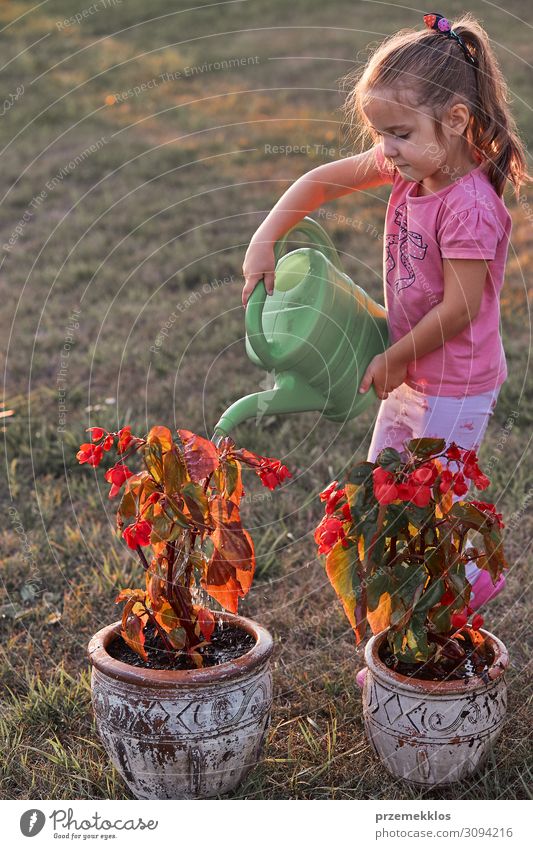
(475, 661)
(227, 643)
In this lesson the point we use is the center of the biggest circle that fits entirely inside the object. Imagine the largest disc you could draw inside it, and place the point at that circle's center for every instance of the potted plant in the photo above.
(434, 697)
(181, 693)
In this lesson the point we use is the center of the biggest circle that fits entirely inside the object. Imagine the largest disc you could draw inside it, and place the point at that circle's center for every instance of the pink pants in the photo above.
(407, 414)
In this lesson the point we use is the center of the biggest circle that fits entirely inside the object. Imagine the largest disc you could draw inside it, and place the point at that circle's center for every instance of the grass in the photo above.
(155, 220)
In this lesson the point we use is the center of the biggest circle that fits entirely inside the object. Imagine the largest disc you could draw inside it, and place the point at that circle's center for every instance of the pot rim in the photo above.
(113, 668)
(444, 688)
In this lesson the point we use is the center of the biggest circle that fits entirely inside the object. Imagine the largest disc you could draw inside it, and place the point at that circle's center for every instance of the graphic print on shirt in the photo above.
(410, 244)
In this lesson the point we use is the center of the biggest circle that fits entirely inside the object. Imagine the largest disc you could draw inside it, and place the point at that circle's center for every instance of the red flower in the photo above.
(447, 598)
(453, 452)
(138, 533)
(91, 454)
(108, 442)
(96, 433)
(421, 496)
(459, 620)
(481, 481)
(272, 473)
(489, 510)
(328, 491)
(332, 496)
(405, 491)
(477, 622)
(116, 476)
(446, 480)
(460, 486)
(425, 475)
(124, 439)
(385, 488)
(346, 512)
(470, 458)
(329, 531)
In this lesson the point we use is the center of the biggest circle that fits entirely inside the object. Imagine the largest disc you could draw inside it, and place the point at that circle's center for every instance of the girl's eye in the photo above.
(403, 137)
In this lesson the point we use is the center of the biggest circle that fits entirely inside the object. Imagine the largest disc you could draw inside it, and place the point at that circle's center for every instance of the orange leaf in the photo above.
(206, 622)
(201, 455)
(161, 435)
(379, 619)
(133, 634)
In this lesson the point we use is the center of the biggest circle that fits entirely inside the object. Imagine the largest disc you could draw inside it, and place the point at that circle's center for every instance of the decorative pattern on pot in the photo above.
(433, 732)
(179, 740)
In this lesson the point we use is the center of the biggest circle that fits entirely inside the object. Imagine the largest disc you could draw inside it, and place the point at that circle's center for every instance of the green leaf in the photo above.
(418, 516)
(408, 580)
(389, 459)
(435, 561)
(360, 473)
(396, 519)
(426, 447)
(377, 584)
(417, 648)
(441, 617)
(430, 597)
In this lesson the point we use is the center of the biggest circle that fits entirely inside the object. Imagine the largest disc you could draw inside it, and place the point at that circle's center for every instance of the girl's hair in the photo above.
(427, 68)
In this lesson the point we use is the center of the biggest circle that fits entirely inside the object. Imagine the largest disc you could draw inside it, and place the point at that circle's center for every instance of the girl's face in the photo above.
(407, 135)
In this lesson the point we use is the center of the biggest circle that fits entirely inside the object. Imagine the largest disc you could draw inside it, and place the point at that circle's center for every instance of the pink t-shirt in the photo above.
(465, 220)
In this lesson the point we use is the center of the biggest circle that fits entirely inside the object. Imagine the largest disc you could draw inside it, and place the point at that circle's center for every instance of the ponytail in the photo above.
(434, 68)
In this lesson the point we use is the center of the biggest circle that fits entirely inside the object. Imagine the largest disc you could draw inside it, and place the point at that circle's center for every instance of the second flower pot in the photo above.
(433, 732)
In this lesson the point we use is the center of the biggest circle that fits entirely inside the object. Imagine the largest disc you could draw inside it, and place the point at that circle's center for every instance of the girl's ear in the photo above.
(458, 118)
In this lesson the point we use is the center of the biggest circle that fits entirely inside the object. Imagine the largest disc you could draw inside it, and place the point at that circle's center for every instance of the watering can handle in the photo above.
(268, 352)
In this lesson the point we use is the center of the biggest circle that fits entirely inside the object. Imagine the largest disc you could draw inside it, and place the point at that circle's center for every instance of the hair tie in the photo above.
(441, 24)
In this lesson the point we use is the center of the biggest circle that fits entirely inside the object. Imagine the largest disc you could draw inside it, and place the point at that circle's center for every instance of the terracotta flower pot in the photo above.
(183, 734)
(433, 732)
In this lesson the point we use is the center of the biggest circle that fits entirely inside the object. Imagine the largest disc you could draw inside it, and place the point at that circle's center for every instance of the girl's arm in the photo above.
(308, 192)
(464, 281)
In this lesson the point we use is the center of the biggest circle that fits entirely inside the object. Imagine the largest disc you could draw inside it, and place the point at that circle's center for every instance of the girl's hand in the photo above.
(386, 373)
(259, 262)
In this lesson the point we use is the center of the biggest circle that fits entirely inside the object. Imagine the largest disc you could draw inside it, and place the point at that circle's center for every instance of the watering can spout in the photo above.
(290, 394)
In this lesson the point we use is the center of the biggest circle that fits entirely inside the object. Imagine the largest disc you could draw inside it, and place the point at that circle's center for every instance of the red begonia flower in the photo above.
(138, 533)
(90, 453)
(116, 476)
(460, 486)
(459, 620)
(329, 531)
(96, 433)
(453, 452)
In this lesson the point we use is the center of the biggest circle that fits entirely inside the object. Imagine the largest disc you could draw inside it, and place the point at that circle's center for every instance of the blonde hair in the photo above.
(432, 68)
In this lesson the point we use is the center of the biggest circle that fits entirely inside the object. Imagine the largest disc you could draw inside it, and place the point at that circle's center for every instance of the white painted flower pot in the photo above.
(183, 734)
(433, 732)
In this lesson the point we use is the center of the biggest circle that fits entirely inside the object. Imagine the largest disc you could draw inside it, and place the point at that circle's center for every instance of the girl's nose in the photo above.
(390, 149)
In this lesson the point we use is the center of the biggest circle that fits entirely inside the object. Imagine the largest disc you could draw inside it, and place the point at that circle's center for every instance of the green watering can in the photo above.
(317, 333)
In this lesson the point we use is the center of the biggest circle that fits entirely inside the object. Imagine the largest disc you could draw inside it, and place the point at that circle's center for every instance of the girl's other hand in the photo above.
(386, 373)
(259, 263)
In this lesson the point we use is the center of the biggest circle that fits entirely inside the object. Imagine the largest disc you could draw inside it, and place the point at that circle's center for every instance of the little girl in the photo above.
(434, 102)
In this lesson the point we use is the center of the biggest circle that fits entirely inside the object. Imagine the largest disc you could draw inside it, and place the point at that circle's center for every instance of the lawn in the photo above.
(138, 148)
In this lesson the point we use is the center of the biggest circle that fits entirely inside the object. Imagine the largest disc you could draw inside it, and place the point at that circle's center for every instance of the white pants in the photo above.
(407, 414)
